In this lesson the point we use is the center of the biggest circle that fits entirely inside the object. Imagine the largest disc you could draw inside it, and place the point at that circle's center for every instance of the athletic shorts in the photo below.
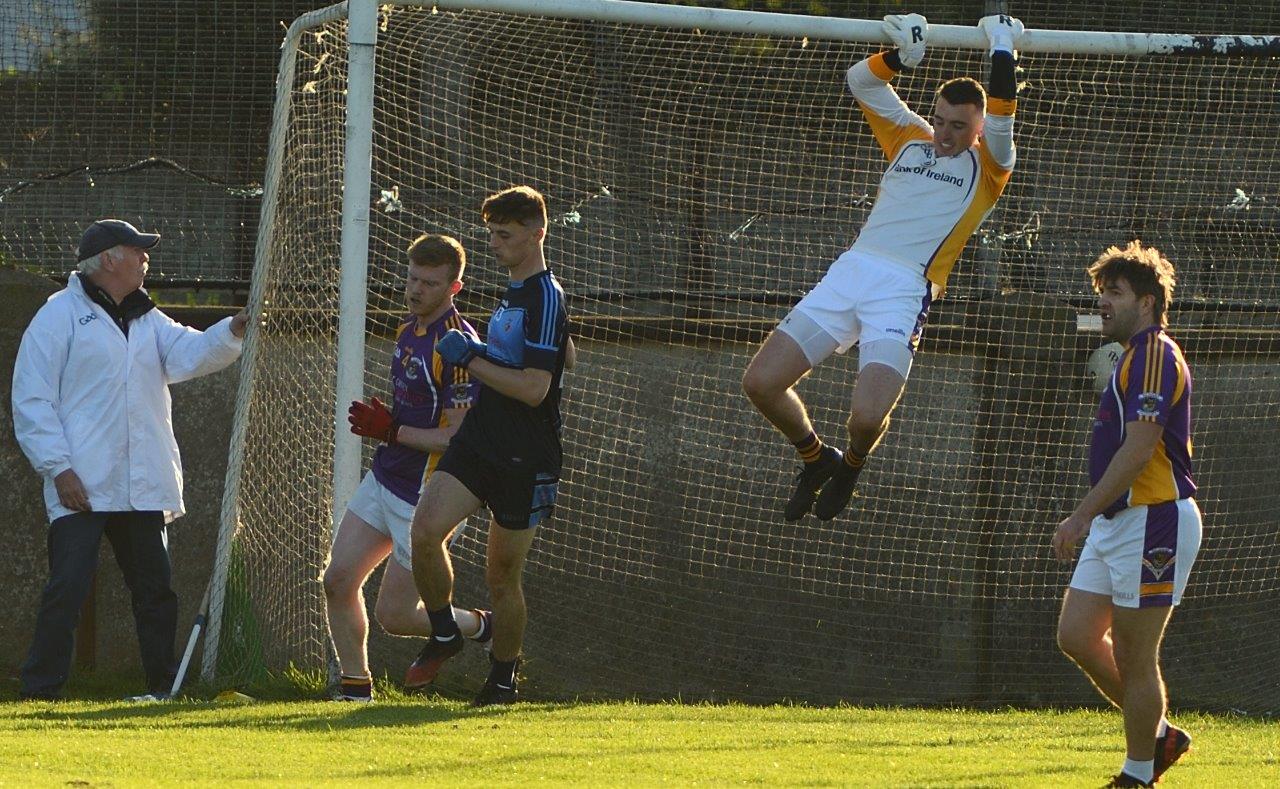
(1142, 556)
(862, 300)
(387, 513)
(518, 498)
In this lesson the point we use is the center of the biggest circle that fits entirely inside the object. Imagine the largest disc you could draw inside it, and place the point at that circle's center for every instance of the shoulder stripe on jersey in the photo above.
(1157, 362)
(550, 314)
(1152, 369)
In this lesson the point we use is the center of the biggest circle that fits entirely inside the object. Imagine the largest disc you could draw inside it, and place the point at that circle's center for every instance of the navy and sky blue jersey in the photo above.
(528, 329)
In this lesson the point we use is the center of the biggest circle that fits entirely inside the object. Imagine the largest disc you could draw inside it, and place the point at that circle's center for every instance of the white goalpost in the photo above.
(703, 167)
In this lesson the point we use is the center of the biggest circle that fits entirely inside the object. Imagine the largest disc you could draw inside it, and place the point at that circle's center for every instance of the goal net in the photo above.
(700, 180)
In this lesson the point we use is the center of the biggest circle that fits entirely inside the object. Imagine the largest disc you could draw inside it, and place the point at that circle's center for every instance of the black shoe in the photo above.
(809, 480)
(1169, 749)
(422, 672)
(40, 696)
(492, 694)
(837, 492)
(1125, 780)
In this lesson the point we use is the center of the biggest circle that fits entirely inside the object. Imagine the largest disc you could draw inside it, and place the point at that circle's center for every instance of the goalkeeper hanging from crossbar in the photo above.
(942, 180)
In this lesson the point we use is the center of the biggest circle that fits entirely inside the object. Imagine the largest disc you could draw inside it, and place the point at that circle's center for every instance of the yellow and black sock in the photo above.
(853, 460)
(810, 447)
(357, 687)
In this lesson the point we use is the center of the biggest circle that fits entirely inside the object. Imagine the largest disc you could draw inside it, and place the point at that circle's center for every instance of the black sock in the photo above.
(443, 626)
(503, 673)
(357, 686)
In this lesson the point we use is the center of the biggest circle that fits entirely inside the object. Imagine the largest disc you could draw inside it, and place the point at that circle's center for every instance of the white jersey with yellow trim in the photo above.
(927, 206)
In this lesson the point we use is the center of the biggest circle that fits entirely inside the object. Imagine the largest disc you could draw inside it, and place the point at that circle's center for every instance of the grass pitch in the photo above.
(398, 740)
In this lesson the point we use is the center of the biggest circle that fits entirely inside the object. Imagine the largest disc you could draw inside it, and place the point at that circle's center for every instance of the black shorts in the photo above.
(519, 498)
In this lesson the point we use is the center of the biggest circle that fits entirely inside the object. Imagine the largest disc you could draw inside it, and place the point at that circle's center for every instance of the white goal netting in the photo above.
(699, 184)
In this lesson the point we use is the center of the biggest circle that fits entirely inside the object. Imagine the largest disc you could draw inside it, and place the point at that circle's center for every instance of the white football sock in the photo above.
(1140, 770)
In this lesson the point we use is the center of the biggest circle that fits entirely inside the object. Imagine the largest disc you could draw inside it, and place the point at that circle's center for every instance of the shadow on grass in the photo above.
(299, 716)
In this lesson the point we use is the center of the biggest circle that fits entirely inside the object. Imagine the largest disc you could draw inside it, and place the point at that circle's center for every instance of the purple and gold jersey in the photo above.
(1151, 383)
(423, 387)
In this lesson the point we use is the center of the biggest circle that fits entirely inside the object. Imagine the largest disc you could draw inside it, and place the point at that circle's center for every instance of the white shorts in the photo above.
(1142, 557)
(862, 300)
(386, 513)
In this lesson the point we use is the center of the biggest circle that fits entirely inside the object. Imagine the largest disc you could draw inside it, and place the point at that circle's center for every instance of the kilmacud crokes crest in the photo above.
(461, 395)
(1158, 561)
(1149, 403)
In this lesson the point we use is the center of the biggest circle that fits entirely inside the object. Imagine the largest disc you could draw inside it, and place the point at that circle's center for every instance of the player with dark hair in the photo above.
(507, 454)
(943, 179)
(1140, 525)
(430, 397)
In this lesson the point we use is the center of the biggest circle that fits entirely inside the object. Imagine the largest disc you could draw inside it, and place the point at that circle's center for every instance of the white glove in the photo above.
(908, 33)
(1002, 31)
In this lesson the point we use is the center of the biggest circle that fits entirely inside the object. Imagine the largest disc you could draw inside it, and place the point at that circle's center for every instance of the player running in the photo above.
(943, 179)
(507, 455)
(430, 398)
(1142, 524)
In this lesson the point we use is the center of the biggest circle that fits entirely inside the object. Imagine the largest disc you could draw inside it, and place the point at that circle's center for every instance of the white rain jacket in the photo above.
(87, 398)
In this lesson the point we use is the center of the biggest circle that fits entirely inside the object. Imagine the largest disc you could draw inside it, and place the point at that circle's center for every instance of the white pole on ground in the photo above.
(362, 38)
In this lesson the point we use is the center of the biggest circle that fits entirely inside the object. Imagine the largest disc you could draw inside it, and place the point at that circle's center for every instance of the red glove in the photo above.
(372, 419)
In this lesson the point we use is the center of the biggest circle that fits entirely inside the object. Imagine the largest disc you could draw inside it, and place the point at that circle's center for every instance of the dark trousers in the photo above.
(141, 546)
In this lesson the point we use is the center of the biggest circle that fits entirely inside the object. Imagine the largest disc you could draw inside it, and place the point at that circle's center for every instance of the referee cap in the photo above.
(107, 233)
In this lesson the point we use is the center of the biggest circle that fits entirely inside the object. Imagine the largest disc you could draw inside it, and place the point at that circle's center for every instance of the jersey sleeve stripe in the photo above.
(548, 312)
(1146, 375)
(1004, 107)
(550, 315)
(879, 68)
(1155, 361)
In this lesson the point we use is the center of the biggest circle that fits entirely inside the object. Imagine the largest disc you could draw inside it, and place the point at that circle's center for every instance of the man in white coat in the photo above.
(91, 410)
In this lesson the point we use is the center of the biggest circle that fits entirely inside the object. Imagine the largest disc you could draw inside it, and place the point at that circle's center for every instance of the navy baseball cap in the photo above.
(107, 233)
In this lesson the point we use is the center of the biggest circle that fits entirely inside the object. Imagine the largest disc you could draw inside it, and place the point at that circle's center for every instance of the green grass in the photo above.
(398, 740)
